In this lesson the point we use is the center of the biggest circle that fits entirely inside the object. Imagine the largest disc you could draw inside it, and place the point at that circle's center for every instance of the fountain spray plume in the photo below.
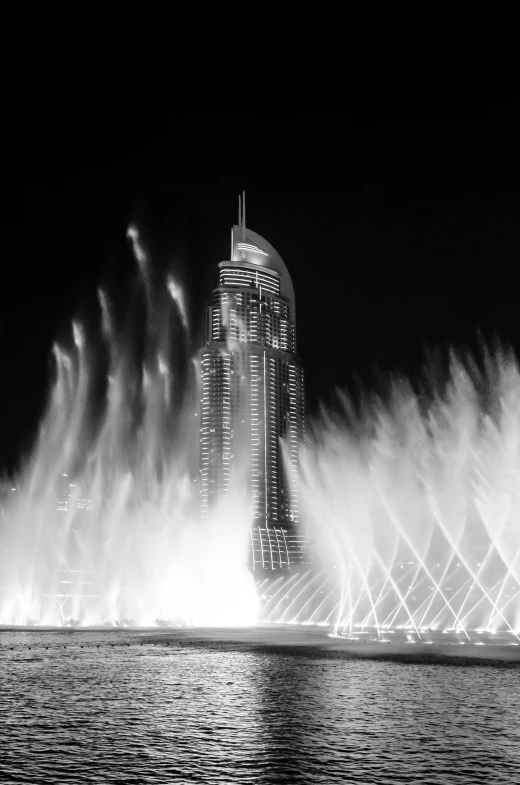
(104, 526)
(412, 506)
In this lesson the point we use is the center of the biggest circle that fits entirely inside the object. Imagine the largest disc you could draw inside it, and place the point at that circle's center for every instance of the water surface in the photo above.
(125, 706)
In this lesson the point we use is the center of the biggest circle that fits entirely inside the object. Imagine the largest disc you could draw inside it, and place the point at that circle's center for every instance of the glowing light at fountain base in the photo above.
(167, 574)
(411, 598)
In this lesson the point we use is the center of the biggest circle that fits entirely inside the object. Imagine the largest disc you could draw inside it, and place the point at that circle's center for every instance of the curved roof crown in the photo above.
(250, 247)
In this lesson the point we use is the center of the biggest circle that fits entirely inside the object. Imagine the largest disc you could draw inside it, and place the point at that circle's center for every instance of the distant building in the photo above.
(252, 398)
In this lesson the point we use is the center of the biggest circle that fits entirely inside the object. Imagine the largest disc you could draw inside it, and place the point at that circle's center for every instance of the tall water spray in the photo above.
(414, 509)
(102, 525)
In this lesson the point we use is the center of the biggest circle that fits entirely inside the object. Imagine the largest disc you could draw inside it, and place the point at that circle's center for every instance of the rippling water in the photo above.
(118, 706)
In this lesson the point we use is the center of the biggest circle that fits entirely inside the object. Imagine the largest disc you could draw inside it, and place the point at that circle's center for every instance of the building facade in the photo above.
(252, 398)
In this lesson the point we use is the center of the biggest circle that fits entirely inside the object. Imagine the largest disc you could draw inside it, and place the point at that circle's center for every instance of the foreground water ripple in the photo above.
(122, 709)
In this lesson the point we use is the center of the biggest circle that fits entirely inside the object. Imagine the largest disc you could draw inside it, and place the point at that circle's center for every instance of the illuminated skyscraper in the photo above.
(252, 402)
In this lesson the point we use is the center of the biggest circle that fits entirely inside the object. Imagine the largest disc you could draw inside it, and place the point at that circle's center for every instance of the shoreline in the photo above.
(434, 647)
(320, 642)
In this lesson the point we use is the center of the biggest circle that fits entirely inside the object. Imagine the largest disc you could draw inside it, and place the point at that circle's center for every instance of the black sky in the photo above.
(398, 236)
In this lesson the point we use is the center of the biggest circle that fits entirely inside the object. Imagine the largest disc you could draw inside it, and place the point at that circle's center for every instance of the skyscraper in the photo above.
(252, 402)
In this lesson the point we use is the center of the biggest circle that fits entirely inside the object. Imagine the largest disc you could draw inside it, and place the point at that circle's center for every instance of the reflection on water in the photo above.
(122, 709)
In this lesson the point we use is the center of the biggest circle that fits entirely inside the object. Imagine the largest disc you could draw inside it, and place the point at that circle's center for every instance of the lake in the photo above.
(87, 706)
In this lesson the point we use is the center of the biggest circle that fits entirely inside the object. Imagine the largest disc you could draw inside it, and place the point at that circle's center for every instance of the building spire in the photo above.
(242, 218)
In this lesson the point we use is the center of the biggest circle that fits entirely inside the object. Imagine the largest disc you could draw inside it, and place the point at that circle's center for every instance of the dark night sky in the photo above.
(398, 236)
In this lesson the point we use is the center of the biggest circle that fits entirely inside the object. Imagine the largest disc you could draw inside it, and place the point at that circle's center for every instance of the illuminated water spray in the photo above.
(412, 505)
(103, 524)
(414, 510)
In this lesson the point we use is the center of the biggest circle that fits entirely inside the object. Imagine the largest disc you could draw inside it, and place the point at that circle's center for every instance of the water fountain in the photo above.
(412, 504)
(414, 508)
(102, 525)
